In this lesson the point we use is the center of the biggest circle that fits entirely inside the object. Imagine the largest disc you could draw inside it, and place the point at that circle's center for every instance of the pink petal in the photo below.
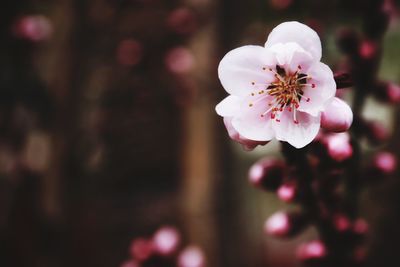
(337, 116)
(251, 125)
(299, 33)
(321, 89)
(292, 55)
(229, 106)
(242, 66)
(300, 134)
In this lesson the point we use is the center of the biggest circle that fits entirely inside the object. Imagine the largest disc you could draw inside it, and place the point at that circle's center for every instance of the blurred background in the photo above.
(108, 129)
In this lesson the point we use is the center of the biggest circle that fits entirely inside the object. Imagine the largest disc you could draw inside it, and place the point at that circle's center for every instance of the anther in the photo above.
(250, 105)
(313, 85)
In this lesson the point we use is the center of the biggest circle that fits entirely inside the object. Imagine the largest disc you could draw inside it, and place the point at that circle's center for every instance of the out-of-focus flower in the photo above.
(179, 60)
(182, 21)
(385, 162)
(191, 257)
(287, 192)
(166, 241)
(279, 90)
(267, 173)
(314, 250)
(141, 249)
(393, 93)
(368, 49)
(342, 223)
(129, 52)
(234, 135)
(283, 224)
(338, 146)
(337, 117)
(130, 263)
(280, 4)
(34, 28)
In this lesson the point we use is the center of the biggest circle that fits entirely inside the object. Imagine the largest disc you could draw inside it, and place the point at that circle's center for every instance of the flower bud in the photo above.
(280, 4)
(337, 116)
(311, 251)
(182, 21)
(234, 135)
(283, 224)
(393, 93)
(34, 28)
(360, 227)
(287, 192)
(166, 241)
(141, 249)
(368, 49)
(130, 263)
(338, 146)
(191, 257)
(385, 163)
(341, 223)
(179, 60)
(267, 173)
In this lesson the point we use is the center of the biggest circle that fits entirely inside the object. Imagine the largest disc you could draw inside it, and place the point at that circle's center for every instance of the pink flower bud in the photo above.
(368, 49)
(191, 257)
(182, 21)
(393, 93)
(342, 223)
(129, 52)
(34, 28)
(166, 241)
(385, 162)
(314, 250)
(338, 146)
(267, 173)
(282, 224)
(280, 4)
(287, 192)
(179, 60)
(337, 116)
(360, 227)
(130, 263)
(234, 135)
(141, 249)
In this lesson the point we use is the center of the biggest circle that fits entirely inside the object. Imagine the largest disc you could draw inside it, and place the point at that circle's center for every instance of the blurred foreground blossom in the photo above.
(280, 90)
(34, 28)
(164, 249)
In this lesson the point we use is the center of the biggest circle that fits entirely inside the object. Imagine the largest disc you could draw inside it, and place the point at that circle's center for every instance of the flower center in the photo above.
(287, 90)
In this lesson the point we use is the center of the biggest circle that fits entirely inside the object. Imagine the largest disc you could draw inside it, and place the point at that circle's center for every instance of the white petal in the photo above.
(244, 65)
(251, 125)
(324, 91)
(229, 106)
(290, 56)
(298, 135)
(337, 116)
(299, 33)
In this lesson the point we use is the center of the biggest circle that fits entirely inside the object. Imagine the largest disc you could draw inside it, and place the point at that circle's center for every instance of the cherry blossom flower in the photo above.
(279, 90)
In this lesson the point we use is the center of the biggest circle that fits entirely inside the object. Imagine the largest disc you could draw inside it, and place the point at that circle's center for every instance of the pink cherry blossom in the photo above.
(279, 90)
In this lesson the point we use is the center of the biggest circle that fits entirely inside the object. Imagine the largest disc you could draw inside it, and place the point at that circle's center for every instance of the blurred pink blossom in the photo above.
(385, 162)
(182, 20)
(311, 250)
(179, 60)
(267, 173)
(338, 146)
(191, 256)
(287, 192)
(141, 249)
(34, 28)
(280, 90)
(166, 240)
(278, 224)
